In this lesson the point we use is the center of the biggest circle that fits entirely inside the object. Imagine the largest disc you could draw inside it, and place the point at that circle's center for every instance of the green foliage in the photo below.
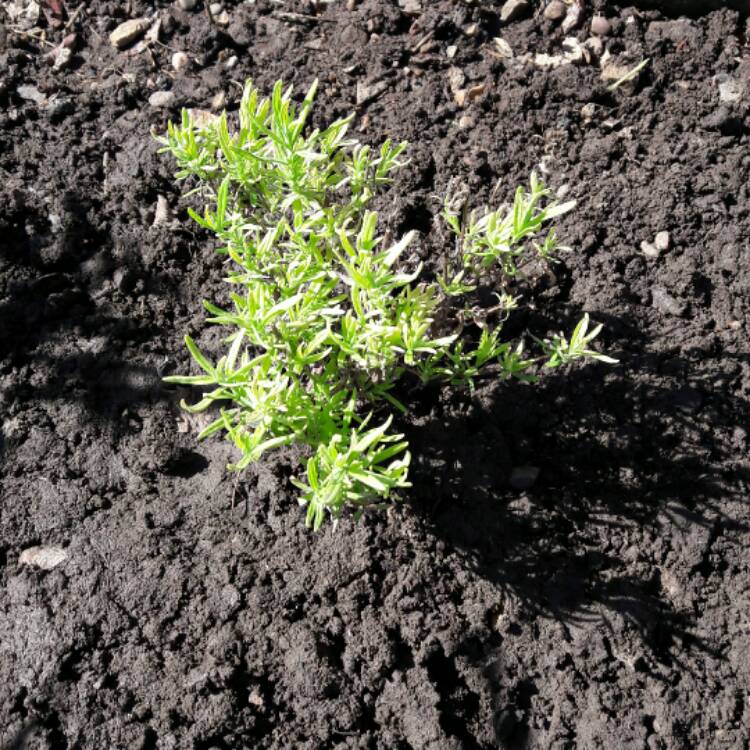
(327, 317)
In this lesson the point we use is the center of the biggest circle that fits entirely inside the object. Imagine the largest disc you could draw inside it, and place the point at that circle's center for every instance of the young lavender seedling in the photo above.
(326, 318)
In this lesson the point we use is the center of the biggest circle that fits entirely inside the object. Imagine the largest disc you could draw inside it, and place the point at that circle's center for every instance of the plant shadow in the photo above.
(639, 468)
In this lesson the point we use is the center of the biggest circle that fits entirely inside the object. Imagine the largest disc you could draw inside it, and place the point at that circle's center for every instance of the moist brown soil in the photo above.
(607, 606)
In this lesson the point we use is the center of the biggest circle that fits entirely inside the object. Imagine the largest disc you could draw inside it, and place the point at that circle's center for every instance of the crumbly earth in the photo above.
(605, 606)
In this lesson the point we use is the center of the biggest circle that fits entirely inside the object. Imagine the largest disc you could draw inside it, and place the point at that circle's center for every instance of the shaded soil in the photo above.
(606, 606)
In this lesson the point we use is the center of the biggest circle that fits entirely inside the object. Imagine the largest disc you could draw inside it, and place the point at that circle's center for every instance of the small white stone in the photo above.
(62, 58)
(187, 4)
(180, 61)
(219, 100)
(413, 7)
(662, 241)
(161, 99)
(466, 122)
(451, 51)
(45, 558)
(222, 19)
(215, 8)
(231, 62)
(730, 90)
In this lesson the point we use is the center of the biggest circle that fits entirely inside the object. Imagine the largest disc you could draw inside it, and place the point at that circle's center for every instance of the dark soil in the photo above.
(608, 606)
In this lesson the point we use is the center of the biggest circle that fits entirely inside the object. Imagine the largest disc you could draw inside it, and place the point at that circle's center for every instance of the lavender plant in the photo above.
(326, 317)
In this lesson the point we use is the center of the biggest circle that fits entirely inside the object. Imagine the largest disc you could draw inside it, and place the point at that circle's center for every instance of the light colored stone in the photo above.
(153, 34)
(215, 8)
(63, 56)
(543, 60)
(588, 111)
(231, 62)
(160, 99)
(730, 89)
(163, 213)
(649, 249)
(128, 32)
(366, 92)
(476, 92)
(456, 79)
(219, 101)
(503, 48)
(512, 10)
(465, 122)
(412, 7)
(450, 52)
(222, 19)
(45, 558)
(31, 93)
(180, 61)
(23, 14)
(600, 26)
(572, 50)
(187, 4)
(573, 18)
(662, 241)
(555, 10)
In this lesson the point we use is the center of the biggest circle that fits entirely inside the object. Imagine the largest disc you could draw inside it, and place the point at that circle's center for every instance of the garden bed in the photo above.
(569, 570)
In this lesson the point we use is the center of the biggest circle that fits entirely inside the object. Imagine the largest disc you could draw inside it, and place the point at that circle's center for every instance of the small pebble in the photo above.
(555, 10)
(664, 302)
(222, 19)
(512, 10)
(126, 33)
(154, 32)
(219, 100)
(216, 8)
(31, 93)
(412, 7)
(573, 18)
(662, 241)
(466, 122)
(588, 111)
(231, 62)
(180, 61)
(161, 99)
(163, 213)
(600, 26)
(45, 558)
(451, 51)
(63, 56)
(187, 4)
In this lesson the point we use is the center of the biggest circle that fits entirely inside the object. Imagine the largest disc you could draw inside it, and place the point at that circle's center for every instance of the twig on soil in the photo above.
(629, 75)
(73, 17)
(30, 35)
